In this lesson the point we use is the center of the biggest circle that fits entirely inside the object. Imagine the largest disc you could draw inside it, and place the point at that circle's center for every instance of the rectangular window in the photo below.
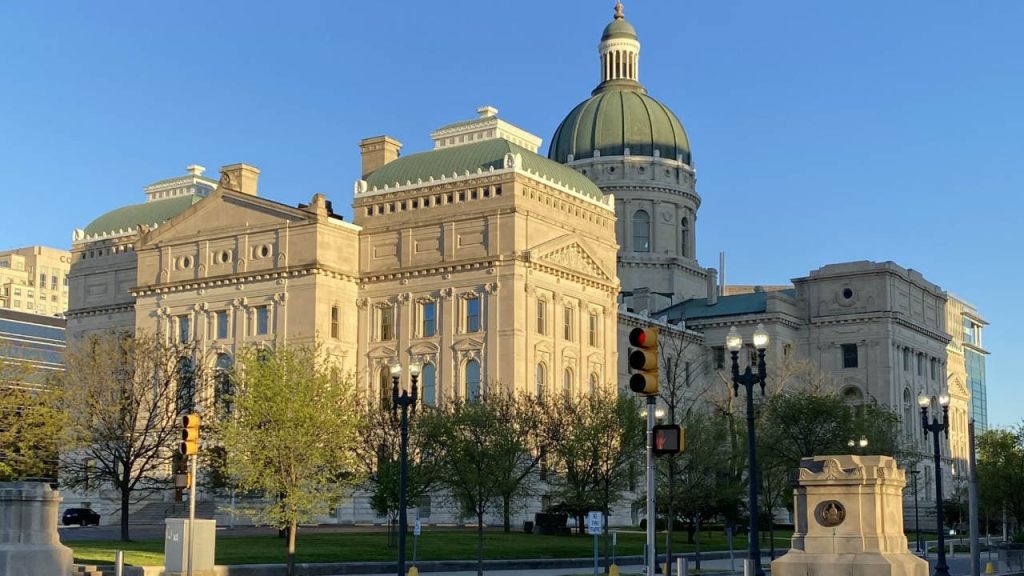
(932, 365)
(594, 329)
(335, 322)
(184, 325)
(969, 331)
(542, 317)
(849, 355)
(222, 324)
(53, 282)
(42, 280)
(473, 315)
(567, 323)
(428, 315)
(718, 360)
(386, 328)
(920, 364)
(906, 359)
(262, 320)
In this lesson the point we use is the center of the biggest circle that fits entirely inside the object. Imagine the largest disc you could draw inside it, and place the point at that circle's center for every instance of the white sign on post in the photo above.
(417, 528)
(595, 522)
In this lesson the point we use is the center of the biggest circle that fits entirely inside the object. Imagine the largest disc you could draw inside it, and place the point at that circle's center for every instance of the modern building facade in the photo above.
(35, 280)
(31, 341)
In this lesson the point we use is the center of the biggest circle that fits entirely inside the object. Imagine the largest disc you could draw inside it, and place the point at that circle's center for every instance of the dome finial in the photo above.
(618, 10)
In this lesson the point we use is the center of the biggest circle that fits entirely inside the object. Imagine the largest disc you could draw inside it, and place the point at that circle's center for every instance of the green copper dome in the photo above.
(618, 28)
(617, 117)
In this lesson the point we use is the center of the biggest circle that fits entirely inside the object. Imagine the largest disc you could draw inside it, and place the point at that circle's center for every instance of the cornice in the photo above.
(894, 317)
(218, 281)
(100, 310)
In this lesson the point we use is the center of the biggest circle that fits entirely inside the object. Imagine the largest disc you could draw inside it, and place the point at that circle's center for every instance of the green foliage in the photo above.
(705, 484)
(31, 423)
(291, 434)
(1001, 471)
(378, 458)
(593, 441)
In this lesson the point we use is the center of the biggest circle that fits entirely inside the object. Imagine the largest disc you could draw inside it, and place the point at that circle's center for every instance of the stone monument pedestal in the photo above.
(29, 542)
(849, 520)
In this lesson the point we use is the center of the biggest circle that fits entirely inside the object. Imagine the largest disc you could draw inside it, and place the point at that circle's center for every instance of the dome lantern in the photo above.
(620, 50)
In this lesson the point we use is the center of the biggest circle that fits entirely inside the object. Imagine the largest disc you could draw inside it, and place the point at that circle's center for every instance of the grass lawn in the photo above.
(434, 544)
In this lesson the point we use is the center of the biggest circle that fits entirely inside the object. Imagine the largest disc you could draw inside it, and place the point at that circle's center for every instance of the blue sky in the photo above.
(821, 131)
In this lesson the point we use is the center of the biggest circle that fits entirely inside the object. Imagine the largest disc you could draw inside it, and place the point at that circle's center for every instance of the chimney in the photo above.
(712, 286)
(240, 178)
(641, 300)
(378, 151)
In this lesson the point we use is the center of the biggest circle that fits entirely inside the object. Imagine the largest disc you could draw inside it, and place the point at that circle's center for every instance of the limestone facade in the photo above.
(35, 280)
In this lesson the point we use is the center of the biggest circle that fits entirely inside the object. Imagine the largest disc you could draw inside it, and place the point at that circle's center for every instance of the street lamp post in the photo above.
(407, 402)
(862, 444)
(917, 520)
(748, 379)
(935, 426)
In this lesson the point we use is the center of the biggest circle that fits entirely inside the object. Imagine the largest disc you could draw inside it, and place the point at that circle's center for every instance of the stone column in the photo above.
(29, 543)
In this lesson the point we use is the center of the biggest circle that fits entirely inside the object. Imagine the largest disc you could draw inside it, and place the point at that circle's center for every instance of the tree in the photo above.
(526, 438)
(123, 394)
(291, 434)
(472, 452)
(1001, 471)
(597, 437)
(31, 421)
(379, 461)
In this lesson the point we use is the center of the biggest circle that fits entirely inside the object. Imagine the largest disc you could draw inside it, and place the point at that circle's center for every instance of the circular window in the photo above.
(847, 293)
(611, 169)
(640, 170)
(185, 262)
(224, 257)
(264, 251)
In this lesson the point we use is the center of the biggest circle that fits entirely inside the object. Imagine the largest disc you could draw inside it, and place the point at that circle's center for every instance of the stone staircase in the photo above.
(154, 513)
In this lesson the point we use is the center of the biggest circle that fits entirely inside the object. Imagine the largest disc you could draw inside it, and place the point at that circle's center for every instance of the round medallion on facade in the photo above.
(830, 513)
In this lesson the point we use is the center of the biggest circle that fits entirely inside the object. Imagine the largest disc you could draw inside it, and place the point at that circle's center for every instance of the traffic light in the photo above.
(190, 435)
(643, 358)
(668, 439)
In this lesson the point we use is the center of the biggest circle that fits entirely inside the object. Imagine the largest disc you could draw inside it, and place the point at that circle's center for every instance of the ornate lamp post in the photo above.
(934, 426)
(734, 342)
(917, 521)
(407, 402)
(862, 444)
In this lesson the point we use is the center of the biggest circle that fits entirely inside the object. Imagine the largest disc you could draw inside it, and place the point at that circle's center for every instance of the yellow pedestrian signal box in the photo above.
(643, 359)
(668, 439)
(190, 435)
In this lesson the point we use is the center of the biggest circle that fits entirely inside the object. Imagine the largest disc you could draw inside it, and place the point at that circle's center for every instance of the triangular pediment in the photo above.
(226, 212)
(468, 344)
(569, 253)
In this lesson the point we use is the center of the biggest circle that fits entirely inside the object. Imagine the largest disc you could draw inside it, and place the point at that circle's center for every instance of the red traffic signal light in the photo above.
(190, 435)
(668, 439)
(643, 358)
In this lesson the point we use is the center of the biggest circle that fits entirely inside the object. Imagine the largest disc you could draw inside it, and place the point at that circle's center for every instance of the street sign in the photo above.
(595, 522)
(417, 528)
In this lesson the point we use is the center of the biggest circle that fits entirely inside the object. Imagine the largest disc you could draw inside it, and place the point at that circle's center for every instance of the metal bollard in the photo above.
(119, 563)
(748, 567)
(681, 567)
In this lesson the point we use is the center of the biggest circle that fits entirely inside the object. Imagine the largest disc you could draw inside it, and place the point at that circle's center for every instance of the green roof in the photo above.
(619, 28)
(129, 217)
(618, 116)
(484, 155)
(735, 305)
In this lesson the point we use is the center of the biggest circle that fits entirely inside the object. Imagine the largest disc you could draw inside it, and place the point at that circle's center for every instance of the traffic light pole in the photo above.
(652, 555)
(192, 511)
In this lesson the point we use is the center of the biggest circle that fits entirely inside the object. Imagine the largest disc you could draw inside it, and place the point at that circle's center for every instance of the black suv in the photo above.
(80, 516)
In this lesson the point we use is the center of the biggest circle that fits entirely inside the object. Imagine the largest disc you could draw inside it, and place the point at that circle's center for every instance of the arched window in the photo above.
(593, 383)
(852, 395)
(567, 383)
(542, 377)
(384, 386)
(224, 391)
(472, 380)
(186, 376)
(641, 231)
(685, 234)
(429, 378)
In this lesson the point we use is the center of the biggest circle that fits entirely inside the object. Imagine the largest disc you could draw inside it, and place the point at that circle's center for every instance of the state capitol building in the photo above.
(502, 266)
